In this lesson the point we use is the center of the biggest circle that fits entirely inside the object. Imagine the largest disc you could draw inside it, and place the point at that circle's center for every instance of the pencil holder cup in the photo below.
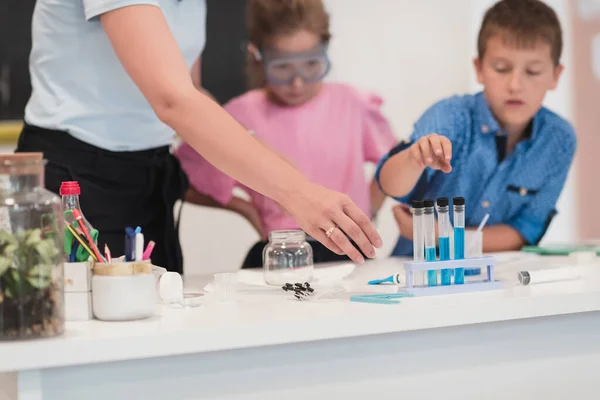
(123, 291)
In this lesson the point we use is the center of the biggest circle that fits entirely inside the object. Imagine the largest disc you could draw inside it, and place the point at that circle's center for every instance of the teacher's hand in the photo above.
(328, 216)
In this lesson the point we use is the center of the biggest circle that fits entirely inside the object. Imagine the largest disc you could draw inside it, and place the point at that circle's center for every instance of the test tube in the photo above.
(429, 228)
(444, 237)
(459, 238)
(418, 234)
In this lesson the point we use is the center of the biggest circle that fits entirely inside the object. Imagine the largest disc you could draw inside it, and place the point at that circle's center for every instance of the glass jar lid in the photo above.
(22, 164)
(287, 236)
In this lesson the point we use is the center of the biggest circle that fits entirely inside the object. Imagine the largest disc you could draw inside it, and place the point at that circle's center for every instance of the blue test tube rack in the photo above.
(486, 263)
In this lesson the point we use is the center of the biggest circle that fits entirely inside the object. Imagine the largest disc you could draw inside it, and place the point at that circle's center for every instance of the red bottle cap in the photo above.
(70, 189)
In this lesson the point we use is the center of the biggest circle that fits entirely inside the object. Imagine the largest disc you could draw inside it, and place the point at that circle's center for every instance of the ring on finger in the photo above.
(330, 231)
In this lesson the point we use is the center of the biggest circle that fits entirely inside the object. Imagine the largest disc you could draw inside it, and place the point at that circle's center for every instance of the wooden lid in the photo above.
(22, 163)
(123, 268)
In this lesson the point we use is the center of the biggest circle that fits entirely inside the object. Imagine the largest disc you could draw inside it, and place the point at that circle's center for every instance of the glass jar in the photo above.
(287, 258)
(31, 236)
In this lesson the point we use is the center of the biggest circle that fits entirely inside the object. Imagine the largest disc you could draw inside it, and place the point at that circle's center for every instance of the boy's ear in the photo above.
(478, 69)
(558, 70)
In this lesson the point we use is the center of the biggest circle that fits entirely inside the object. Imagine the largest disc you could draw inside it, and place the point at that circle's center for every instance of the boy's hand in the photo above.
(434, 151)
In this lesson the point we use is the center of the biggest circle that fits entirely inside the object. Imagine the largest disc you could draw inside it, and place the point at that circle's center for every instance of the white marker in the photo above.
(139, 246)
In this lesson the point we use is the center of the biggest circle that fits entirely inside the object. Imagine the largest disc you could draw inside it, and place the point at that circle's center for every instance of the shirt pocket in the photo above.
(517, 198)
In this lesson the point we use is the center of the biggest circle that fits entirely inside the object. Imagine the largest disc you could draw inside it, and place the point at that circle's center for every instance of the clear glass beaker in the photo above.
(287, 258)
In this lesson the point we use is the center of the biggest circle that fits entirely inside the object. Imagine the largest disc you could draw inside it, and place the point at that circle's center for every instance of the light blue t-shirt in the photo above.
(79, 85)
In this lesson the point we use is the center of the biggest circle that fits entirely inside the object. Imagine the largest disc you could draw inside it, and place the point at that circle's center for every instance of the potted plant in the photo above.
(31, 303)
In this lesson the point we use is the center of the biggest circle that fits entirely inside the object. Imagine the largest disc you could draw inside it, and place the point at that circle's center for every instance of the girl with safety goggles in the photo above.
(326, 130)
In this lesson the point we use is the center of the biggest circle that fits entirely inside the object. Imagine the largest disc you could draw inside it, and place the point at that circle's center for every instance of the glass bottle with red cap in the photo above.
(70, 192)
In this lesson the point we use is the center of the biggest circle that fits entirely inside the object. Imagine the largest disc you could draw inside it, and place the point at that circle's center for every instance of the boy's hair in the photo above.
(524, 22)
(266, 19)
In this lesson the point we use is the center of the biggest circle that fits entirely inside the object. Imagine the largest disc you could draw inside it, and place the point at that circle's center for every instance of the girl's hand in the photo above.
(329, 216)
(434, 151)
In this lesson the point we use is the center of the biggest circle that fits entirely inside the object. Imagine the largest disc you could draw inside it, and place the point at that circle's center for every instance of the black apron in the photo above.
(118, 189)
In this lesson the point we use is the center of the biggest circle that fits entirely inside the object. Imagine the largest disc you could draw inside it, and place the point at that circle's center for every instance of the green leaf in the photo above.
(5, 263)
(39, 282)
(34, 237)
(7, 238)
(16, 277)
(40, 276)
(9, 250)
(42, 270)
(47, 250)
(13, 283)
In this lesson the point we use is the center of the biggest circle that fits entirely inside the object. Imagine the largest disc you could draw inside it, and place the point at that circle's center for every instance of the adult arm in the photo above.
(163, 77)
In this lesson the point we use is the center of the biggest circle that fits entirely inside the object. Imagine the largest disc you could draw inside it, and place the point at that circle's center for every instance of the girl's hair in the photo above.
(266, 19)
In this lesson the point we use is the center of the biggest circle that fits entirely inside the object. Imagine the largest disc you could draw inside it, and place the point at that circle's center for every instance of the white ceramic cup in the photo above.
(123, 291)
(123, 298)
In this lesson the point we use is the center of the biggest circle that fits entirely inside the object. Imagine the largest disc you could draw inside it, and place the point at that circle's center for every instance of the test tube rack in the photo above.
(488, 282)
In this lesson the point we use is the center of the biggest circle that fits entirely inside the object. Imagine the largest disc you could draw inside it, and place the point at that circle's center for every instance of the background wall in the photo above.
(586, 61)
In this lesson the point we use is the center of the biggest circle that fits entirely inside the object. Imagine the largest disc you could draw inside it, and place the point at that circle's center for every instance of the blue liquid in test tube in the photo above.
(444, 234)
(459, 238)
(429, 227)
(444, 248)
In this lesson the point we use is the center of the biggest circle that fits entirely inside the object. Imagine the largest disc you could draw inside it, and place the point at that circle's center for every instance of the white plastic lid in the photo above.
(170, 287)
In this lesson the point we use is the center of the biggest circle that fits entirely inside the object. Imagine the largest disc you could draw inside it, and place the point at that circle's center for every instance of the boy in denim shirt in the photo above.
(500, 149)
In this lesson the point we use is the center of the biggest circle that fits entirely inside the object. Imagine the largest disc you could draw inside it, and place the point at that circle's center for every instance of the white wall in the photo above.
(564, 226)
(410, 52)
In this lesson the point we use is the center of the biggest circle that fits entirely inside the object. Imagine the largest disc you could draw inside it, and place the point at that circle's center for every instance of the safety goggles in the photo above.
(281, 69)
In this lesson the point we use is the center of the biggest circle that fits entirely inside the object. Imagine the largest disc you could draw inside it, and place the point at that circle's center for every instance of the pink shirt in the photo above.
(328, 139)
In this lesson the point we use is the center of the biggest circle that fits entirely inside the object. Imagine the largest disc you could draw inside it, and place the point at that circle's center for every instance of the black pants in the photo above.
(321, 254)
(118, 189)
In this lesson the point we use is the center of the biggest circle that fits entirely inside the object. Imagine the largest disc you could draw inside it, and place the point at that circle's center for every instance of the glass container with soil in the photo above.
(31, 275)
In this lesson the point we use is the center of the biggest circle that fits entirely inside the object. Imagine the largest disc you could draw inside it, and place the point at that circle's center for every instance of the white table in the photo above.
(537, 342)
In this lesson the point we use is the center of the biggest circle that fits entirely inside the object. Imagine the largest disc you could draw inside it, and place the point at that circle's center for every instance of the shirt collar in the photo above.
(487, 123)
